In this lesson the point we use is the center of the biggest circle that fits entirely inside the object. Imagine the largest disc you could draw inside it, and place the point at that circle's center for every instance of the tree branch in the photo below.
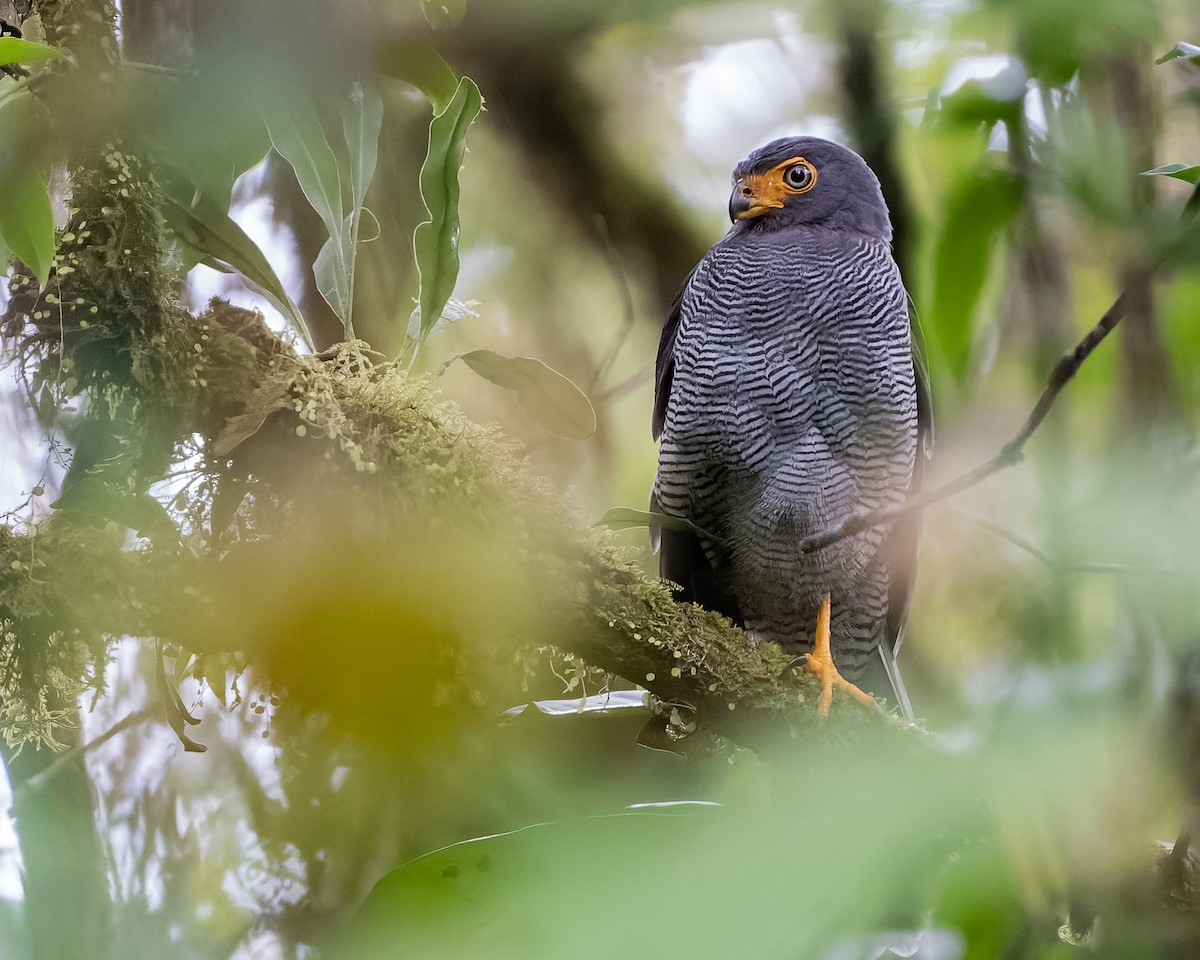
(1012, 452)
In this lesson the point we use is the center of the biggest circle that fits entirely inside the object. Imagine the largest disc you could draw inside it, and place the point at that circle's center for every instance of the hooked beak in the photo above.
(753, 195)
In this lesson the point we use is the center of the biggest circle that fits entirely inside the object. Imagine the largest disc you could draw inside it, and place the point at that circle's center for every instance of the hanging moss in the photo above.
(50, 645)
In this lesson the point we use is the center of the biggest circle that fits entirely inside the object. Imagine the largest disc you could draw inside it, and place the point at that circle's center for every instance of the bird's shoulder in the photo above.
(776, 293)
(777, 275)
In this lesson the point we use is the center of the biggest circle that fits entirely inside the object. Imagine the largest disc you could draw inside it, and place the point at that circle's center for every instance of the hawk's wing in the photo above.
(664, 365)
(681, 556)
(901, 544)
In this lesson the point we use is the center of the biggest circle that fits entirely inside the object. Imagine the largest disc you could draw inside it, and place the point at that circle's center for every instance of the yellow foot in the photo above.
(820, 662)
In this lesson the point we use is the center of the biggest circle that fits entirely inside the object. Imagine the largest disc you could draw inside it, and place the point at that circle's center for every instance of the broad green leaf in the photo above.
(1182, 51)
(435, 241)
(361, 125)
(297, 135)
(200, 222)
(508, 894)
(626, 518)
(1179, 171)
(16, 50)
(334, 273)
(26, 220)
(978, 210)
(423, 67)
(211, 159)
(545, 394)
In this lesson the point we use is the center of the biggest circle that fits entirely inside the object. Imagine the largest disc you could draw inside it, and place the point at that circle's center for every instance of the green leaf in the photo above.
(487, 897)
(361, 126)
(334, 266)
(95, 499)
(545, 394)
(211, 667)
(1182, 51)
(423, 67)
(435, 241)
(298, 137)
(1180, 171)
(26, 219)
(978, 210)
(626, 518)
(208, 156)
(201, 222)
(334, 272)
(16, 50)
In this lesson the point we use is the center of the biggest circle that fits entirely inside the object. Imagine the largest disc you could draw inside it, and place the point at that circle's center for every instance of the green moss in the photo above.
(59, 587)
(389, 439)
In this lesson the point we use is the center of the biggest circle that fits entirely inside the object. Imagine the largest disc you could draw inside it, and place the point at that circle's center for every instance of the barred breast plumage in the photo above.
(788, 399)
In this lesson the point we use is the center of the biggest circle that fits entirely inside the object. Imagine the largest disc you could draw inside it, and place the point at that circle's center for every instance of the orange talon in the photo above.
(820, 662)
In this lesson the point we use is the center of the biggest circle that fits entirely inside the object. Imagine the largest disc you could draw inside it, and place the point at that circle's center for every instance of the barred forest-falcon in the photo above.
(786, 398)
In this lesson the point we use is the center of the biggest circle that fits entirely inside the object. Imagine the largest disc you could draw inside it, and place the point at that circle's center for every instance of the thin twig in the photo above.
(1012, 452)
(39, 780)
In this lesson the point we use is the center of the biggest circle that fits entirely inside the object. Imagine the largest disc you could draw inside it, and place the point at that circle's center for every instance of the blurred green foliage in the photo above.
(361, 795)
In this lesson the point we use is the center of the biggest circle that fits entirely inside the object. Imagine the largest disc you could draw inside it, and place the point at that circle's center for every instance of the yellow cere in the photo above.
(767, 191)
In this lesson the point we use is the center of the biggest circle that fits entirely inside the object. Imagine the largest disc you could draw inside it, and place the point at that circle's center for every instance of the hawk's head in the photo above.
(807, 180)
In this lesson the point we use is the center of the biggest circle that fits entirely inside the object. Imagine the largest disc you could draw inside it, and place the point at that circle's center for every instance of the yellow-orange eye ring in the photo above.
(756, 193)
(799, 176)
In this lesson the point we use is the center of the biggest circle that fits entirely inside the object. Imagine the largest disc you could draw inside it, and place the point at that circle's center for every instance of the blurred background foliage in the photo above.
(1051, 644)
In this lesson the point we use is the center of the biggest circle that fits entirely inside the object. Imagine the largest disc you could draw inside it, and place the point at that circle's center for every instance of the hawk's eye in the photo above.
(799, 176)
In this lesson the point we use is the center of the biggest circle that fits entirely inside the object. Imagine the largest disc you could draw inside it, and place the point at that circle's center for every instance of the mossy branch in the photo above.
(294, 443)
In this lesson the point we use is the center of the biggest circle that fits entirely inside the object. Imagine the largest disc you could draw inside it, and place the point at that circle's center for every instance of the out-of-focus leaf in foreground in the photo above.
(26, 220)
(403, 641)
(979, 209)
(979, 846)
(546, 395)
(687, 880)
(17, 50)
